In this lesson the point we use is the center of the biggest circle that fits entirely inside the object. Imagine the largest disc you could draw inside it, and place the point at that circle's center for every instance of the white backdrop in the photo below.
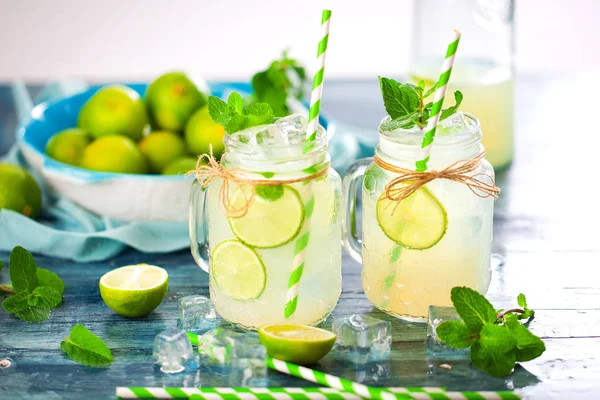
(137, 39)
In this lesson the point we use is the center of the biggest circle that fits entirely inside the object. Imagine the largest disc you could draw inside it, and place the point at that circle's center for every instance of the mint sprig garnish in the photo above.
(406, 104)
(235, 117)
(283, 79)
(35, 290)
(497, 339)
(83, 347)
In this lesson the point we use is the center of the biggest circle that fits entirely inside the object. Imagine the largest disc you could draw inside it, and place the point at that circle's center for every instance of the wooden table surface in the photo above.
(545, 240)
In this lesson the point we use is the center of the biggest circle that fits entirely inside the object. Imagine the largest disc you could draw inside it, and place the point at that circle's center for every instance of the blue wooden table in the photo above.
(545, 242)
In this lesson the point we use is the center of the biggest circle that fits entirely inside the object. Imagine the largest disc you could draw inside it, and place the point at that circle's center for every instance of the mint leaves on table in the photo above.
(497, 339)
(406, 106)
(235, 117)
(35, 290)
(283, 79)
(83, 347)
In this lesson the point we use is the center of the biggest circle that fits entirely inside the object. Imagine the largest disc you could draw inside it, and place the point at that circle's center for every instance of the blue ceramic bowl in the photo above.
(124, 196)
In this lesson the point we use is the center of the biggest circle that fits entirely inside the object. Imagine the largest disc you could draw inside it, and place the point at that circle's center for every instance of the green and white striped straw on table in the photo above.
(311, 132)
(438, 101)
(234, 393)
(374, 393)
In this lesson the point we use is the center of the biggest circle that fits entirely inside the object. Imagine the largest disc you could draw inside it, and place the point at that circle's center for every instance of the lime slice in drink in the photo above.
(298, 344)
(238, 271)
(417, 222)
(274, 218)
(134, 290)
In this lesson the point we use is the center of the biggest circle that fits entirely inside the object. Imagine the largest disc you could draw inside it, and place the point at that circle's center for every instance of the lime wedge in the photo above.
(134, 290)
(417, 222)
(238, 271)
(298, 344)
(274, 218)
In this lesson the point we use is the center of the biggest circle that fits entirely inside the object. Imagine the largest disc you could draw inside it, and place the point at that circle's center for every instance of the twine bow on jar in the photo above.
(209, 169)
(410, 181)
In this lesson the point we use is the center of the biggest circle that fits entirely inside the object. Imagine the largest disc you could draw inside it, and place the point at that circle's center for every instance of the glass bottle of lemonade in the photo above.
(484, 68)
(283, 195)
(416, 249)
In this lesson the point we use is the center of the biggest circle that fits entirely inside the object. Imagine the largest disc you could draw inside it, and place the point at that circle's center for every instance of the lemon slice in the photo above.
(298, 344)
(274, 218)
(134, 290)
(417, 222)
(238, 271)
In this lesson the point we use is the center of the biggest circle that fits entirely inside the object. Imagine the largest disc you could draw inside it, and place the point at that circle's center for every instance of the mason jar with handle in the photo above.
(265, 225)
(422, 233)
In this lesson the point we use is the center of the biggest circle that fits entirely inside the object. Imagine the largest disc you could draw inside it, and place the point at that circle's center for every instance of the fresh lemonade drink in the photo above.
(489, 92)
(406, 281)
(251, 254)
(415, 248)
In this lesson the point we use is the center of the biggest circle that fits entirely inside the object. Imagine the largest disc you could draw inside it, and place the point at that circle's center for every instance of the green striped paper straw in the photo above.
(438, 100)
(234, 393)
(311, 132)
(369, 392)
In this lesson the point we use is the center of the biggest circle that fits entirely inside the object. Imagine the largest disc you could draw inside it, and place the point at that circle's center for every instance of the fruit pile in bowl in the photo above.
(122, 151)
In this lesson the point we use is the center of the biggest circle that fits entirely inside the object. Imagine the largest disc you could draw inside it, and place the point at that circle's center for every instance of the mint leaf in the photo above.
(235, 103)
(455, 334)
(45, 277)
(395, 256)
(267, 175)
(19, 305)
(44, 297)
(235, 124)
(458, 97)
(430, 91)
(33, 314)
(399, 99)
(521, 300)
(219, 110)
(405, 122)
(16, 303)
(22, 270)
(495, 351)
(529, 346)
(258, 114)
(1, 266)
(269, 193)
(282, 80)
(474, 309)
(85, 348)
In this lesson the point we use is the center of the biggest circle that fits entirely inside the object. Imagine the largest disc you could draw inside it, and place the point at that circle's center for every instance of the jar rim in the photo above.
(470, 135)
(319, 145)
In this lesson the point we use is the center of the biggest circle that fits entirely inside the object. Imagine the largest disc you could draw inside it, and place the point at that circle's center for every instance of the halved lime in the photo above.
(238, 270)
(298, 344)
(274, 218)
(134, 290)
(417, 222)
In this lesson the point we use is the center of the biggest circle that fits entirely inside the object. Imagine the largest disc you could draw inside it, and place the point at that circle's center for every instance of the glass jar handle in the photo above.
(352, 242)
(198, 226)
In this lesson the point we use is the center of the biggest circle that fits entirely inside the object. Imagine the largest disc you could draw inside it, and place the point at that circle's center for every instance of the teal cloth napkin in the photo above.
(66, 230)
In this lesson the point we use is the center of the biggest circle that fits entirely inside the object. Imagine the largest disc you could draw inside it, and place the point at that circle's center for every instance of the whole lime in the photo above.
(201, 131)
(67, 146)
(19, 191)
(114, 154)
(114, 110)
(161, 148)
(180, 166)
(171, 100)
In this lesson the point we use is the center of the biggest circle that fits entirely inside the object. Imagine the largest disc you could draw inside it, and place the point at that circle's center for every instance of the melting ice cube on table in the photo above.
(196, 314)
(292, 128)
(362, 339)
(241, 352)
(173, 351)
(435, 347)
